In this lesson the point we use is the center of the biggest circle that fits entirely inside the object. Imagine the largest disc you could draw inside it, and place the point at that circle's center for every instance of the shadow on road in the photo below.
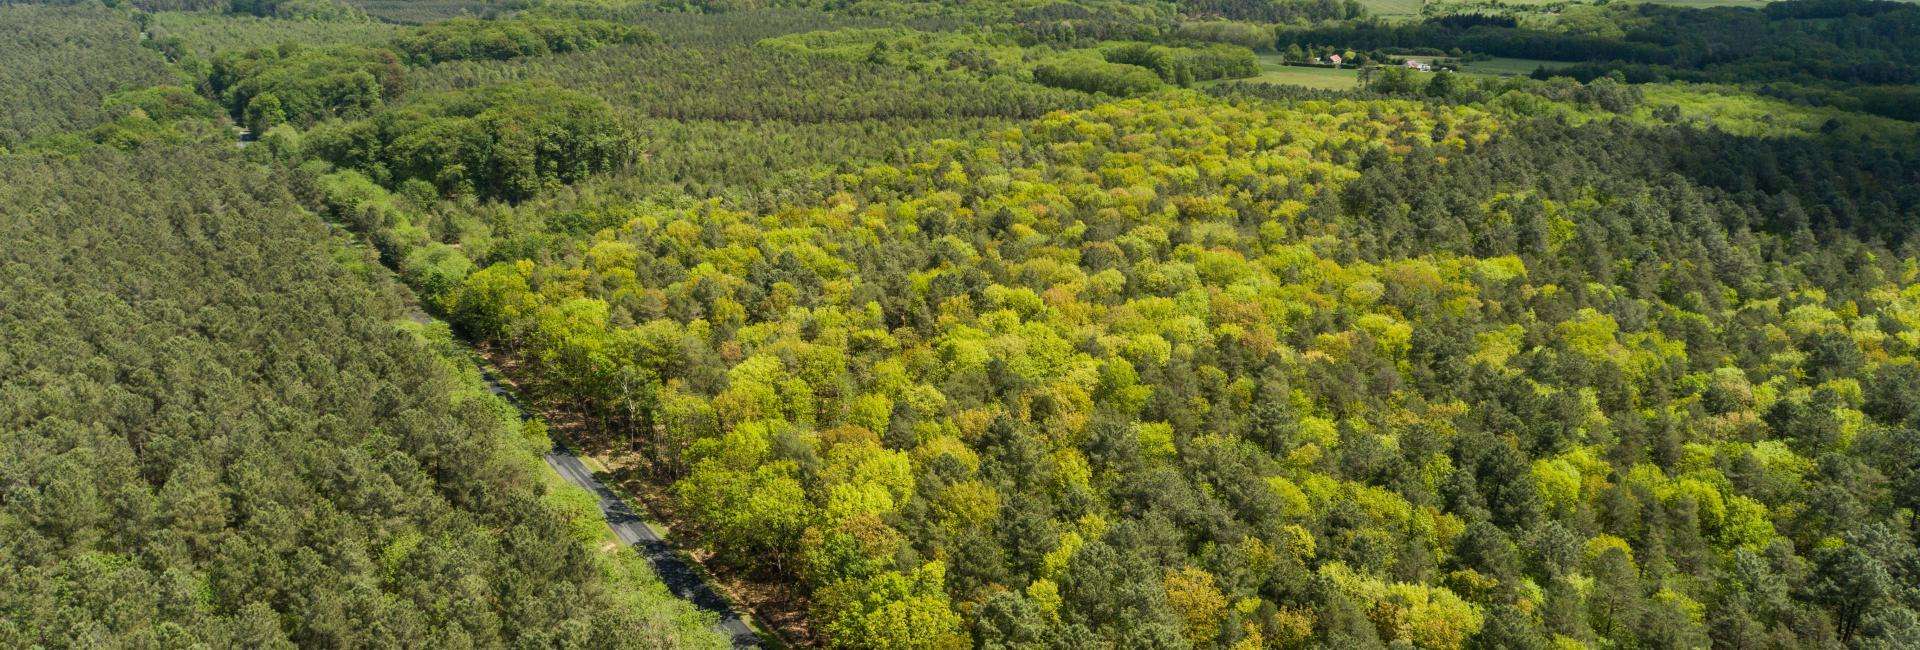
(681, 576)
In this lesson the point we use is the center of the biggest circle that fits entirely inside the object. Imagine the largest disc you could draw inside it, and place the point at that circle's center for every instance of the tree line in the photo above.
(1441, 365)
(1368, 372)
(1857, 54)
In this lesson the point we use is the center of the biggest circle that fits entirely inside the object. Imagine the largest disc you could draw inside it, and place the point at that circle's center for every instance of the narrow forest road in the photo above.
(679, 574)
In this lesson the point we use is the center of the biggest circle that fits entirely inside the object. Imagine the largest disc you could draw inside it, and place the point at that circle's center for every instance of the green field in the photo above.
(1393, 8)
(1740, 112)
(1325, 78)
(1273, 72)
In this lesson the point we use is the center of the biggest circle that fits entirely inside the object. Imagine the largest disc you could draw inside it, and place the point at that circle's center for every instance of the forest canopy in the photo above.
(465, 38)
(1027, 324)
(214, 435)
(507, 141)
(292, 84)
(1444, 432)
(58, 63)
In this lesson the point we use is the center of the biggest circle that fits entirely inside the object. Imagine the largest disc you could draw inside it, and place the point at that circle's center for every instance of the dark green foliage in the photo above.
(758, 84)
(213, 435)
(298, 85)
(1118, 594)
(160, 114)
(1635, 555)
(309, 10)
(415, 12)
(714, 115)
(204, 35)
(466, 38)
(1094, 76)
(1274, 11)
(162, 103)
(1900, 102)
(1724, 44)
(504, 142)
(706, 30)
(58, 63)
(1185, 65)
(1217, 62)
(1854, 54)
(1399, 368)
(1897, 102)
(180, 5)
(1253, 36)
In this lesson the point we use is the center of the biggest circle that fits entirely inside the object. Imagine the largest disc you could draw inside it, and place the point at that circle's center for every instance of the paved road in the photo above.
(679, 574)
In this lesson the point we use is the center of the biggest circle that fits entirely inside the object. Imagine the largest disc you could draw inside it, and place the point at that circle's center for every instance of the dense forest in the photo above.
(939, 325)
(58, 63)
(1185, 424)
(213, 435)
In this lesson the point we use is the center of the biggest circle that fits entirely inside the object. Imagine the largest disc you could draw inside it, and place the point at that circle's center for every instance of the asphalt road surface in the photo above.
(679, 575)
(676, 571)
